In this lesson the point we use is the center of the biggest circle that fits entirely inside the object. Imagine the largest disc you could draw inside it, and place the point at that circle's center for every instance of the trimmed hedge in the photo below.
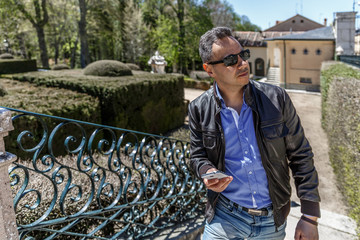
(60, 66)
(341, 120)
(50, 101)
(8, 66)
(133, 66)
(151, 103)
(203, 85)
(6, 56)
(109, 68)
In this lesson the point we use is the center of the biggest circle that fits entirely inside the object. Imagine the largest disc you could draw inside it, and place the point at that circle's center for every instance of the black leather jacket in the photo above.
(281, 142)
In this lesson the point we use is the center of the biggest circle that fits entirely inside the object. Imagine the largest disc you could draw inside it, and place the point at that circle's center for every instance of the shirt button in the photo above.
(240, 131)
(250, 172)
(254, 192)
(246, 152)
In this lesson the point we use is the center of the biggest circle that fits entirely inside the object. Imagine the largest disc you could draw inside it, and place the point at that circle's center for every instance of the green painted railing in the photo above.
(79, 180)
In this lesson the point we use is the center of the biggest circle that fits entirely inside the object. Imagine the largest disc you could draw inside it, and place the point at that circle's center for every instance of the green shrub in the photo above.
(6, 56)
(191, 83)
(146, 102)
(50, 101)
(60, 67)
(133, 66)
(17, 66)
(109, 68)
(328, 72)
(341, 120)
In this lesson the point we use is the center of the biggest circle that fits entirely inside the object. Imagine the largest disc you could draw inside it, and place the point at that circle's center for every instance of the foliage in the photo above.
(341, 98)
(328, 73)
(60, 67)
(110, 68)
(133, 66)
(6, 56)
(16, 66)
(223, 14)
(145, 102)
(127, 31)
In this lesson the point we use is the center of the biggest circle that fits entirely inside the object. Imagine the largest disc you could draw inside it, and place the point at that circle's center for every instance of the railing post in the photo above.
(8, 228)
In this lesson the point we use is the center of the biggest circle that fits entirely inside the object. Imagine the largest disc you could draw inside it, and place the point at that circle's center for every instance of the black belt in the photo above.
(251, 211)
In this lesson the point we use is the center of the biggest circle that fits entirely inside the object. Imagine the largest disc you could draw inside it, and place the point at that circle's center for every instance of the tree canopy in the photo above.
(78, 32)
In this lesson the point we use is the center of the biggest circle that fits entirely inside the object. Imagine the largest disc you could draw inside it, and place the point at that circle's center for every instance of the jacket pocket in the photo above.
(273, 131)
(210, 139)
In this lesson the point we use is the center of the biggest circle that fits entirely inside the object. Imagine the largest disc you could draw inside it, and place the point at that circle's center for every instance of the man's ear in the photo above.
(208, 69)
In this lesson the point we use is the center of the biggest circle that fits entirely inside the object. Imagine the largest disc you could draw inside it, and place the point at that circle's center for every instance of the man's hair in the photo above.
(209, 38)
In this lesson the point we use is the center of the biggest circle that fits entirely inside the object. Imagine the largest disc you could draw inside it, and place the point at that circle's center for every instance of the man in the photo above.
(250, 131)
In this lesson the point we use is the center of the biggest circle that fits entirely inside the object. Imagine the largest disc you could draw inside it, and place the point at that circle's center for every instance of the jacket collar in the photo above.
(249, 100)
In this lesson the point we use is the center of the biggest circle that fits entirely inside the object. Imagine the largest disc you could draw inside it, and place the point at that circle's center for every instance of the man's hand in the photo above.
(306, 231)
(217, 185)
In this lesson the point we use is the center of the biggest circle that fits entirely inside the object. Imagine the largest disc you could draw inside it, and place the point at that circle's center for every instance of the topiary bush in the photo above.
(109, 68)
(151, 103)
(8, 66)
(6, 56)
(60, 66)
(133, 66)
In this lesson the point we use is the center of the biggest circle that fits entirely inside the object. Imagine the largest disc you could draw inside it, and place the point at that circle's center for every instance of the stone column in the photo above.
(8, 227)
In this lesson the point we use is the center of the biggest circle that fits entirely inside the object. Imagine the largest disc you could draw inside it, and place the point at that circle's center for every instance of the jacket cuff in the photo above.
(310, 208)
(204, 169)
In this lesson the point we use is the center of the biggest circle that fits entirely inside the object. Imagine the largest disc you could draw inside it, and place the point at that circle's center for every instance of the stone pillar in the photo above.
(8, 227)
(345, 32)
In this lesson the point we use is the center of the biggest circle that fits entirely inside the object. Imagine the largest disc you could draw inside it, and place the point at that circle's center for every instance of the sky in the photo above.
(264, 13)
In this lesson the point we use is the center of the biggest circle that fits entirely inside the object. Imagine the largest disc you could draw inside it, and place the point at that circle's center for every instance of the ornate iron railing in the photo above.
(78, 180)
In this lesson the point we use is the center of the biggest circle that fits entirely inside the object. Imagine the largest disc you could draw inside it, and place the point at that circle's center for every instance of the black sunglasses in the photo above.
(233, 59)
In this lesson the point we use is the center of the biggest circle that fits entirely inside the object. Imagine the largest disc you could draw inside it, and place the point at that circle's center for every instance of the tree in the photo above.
(135, 32)
(84, 52)
(38, 22)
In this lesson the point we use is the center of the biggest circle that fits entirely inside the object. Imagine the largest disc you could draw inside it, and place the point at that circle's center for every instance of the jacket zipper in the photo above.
(262, 153)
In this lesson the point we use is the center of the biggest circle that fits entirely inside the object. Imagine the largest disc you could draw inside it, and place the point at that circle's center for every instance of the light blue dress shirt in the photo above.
(249, 187)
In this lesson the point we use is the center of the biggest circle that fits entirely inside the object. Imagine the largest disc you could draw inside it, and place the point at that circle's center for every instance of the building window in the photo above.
(318, 52)
(305, 80)
(293, 21)
(301, 21)
(306, 51)
(293, 51)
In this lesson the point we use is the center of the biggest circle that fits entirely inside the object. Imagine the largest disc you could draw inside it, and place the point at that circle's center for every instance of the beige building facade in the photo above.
(256, 41)
(299, 57)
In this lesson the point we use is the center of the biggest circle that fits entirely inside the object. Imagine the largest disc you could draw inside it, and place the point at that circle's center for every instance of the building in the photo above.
(256, 41)
(297, 58)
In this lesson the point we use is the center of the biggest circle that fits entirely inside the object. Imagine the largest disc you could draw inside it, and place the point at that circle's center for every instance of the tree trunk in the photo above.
(84, 51)
(180, 16)
(21, 42)
(73, 54)
(42, 45)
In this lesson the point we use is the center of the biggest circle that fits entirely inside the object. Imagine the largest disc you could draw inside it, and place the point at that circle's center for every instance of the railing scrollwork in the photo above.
(77, 180)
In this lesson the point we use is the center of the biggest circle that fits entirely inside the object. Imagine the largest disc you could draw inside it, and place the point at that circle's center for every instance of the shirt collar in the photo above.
(223, 105)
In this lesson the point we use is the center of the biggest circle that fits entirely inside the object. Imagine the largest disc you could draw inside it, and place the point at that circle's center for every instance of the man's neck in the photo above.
(233, 97)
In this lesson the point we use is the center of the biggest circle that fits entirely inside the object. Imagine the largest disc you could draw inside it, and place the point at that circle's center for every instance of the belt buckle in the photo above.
(255, 212)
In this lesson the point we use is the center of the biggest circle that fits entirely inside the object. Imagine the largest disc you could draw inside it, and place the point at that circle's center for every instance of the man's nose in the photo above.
(240, 61)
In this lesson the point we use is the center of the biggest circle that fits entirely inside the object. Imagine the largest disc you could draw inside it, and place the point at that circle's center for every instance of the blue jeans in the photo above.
(232, 223)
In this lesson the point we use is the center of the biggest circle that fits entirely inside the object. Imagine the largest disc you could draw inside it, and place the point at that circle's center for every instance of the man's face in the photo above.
(229, 77)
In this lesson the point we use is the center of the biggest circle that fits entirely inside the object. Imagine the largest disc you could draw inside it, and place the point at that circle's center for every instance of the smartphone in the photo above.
(214, 175)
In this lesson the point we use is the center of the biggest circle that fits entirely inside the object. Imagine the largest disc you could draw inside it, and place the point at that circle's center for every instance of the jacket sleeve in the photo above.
(198, 157)
(301, 161)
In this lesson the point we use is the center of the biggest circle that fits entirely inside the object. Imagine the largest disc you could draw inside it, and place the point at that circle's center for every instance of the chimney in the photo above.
(325, 21)
(277, 22)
